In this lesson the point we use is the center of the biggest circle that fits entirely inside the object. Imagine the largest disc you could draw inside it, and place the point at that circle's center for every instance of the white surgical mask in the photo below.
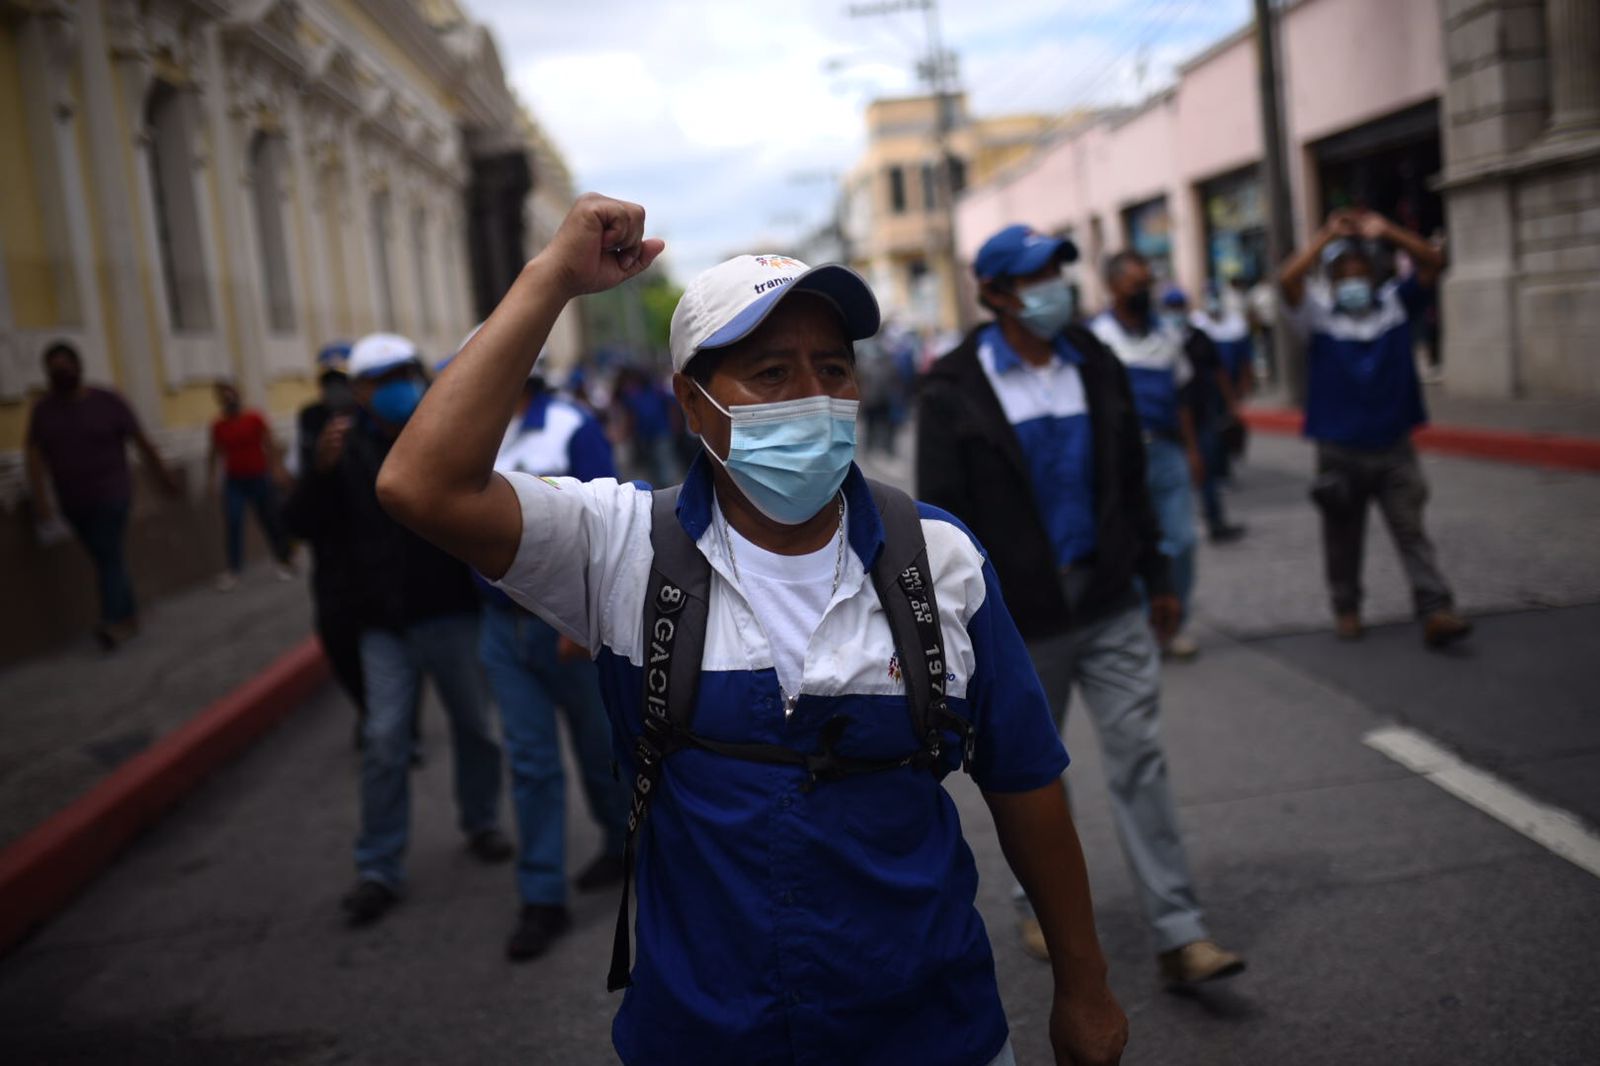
(1046, 307)
(789, 458)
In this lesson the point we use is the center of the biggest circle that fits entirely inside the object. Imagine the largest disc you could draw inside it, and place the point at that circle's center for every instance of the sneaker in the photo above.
(1227, 534)
(1198, 962)
(226, 581)
(538, 926)
(367, 902)
(1032, 935)
(605, 871)
(1347, 624)
(1445, 627)
(490, 845)
(1181, 648)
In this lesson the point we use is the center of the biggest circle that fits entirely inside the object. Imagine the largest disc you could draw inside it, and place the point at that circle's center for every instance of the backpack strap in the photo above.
(677, 597)
(905, 588)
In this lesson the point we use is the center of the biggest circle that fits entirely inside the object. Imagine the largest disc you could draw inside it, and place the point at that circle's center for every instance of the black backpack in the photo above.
(676, 605)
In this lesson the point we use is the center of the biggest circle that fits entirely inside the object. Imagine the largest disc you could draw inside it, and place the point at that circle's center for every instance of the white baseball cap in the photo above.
(724, 304)
(377, 353)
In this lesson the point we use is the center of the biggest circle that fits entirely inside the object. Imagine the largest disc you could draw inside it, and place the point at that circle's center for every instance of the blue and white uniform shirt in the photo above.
(1157, 369)
(556, 438)
(1362, 389)
(1046, 408)
(1231, 334)
(779, 923)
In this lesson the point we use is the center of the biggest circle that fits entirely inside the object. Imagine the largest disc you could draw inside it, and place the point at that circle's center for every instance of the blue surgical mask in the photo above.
(1046, 307)
(1353, 295)
(1174, 320)
(395, 401)
(789, 458)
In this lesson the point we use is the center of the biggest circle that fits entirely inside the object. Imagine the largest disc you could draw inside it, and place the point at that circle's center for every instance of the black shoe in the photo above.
(605, 871)
(419, 758)
(537, 928)
(367, 902)
(1226, 534)
(490, 845)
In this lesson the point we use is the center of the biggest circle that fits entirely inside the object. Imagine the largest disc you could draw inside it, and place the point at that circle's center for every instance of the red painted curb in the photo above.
(40, 873)
(1555, 450)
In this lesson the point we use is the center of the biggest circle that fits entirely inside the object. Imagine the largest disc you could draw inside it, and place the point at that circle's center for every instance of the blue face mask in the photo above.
(1046, 307)
(1174, 320)
(789, 458)
(1353, 295)
(395, 401)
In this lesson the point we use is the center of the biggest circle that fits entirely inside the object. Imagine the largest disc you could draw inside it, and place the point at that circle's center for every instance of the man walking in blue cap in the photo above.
(792, 659)
(1029, 433)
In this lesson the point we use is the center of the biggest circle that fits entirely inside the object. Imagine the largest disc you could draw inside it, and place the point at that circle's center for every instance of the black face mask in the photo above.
(336, 392)
(65, 382)
(1139, 304)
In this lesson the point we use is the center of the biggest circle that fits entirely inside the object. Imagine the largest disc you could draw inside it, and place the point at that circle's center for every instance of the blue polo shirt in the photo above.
(777, 924)
(1157, 369)
(1046, 407)
(1362, 389)
(1231, 335)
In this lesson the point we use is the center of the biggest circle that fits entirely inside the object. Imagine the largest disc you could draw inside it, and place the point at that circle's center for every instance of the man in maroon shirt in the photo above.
(80, 434)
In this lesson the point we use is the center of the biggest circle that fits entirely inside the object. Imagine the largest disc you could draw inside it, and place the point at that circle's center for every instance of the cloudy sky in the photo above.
(729, 119)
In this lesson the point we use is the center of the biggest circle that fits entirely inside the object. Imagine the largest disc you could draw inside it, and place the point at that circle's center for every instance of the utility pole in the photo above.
(936, 69)
(1275, 174)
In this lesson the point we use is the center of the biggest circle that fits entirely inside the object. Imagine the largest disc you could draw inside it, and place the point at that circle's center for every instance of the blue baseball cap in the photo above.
(334, 356)
(1018, 251)
(1173, 296)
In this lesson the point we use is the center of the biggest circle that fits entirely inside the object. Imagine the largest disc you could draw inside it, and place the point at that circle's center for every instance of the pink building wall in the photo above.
(1346, 62)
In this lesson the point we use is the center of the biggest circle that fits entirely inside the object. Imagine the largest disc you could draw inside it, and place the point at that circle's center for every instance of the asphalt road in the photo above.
(1385, 921)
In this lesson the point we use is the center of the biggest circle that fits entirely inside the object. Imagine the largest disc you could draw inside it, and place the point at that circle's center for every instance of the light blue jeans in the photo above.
(1172, 497)
(1116, 665)
(530, 681)
(392, 665)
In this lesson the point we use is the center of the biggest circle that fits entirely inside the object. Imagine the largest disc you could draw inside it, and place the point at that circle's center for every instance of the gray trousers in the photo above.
(1116, 665)
(1393, 478)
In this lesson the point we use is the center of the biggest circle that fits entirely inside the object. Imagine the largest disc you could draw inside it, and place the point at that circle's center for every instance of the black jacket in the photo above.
(970, 462)
(386, 577)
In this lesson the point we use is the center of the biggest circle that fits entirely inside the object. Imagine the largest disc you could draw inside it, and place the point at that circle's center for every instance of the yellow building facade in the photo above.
(894, 224)
(204, 190)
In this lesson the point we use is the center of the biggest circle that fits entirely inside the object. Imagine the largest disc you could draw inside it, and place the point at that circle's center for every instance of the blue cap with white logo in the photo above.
(1018, 251)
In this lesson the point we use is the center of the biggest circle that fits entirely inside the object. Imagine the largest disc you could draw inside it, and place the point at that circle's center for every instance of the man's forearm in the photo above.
(449, 445)
(1422, 252)
(1041, 844)
(1292, 275)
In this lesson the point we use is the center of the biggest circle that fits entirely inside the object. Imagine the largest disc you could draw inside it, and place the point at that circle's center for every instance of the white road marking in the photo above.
(1552, 827)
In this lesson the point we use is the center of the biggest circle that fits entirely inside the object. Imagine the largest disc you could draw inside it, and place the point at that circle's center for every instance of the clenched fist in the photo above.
(600, 244)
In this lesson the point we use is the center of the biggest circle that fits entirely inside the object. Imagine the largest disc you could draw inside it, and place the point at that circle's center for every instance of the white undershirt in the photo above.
(788, 594)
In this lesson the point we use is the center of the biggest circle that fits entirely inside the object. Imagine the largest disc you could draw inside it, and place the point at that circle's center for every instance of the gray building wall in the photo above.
(1521, 305)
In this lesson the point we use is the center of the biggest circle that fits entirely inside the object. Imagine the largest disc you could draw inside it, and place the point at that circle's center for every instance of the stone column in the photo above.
(1573, 31)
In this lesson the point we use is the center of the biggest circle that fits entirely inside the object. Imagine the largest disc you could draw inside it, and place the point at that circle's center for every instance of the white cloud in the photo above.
(719, 115)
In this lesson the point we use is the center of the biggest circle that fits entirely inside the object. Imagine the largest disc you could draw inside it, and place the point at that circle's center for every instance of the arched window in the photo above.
(267, 158)
(171, 161)
(381, 228)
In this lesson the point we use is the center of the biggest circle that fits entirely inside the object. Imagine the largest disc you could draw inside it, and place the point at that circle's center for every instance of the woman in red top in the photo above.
(242, 441)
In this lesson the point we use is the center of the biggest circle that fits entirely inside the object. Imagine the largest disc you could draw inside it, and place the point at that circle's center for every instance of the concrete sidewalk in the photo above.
(69, 719)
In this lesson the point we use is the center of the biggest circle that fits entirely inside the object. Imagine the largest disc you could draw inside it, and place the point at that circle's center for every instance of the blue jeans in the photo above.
(1214, 453)
(530, 681)
(1167, 477)
(257, 492)
(102, 527)
(392, 665)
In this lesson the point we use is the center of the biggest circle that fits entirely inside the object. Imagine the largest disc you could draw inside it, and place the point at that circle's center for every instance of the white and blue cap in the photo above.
(1017, 251)
(379, 353)
(725, 304)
